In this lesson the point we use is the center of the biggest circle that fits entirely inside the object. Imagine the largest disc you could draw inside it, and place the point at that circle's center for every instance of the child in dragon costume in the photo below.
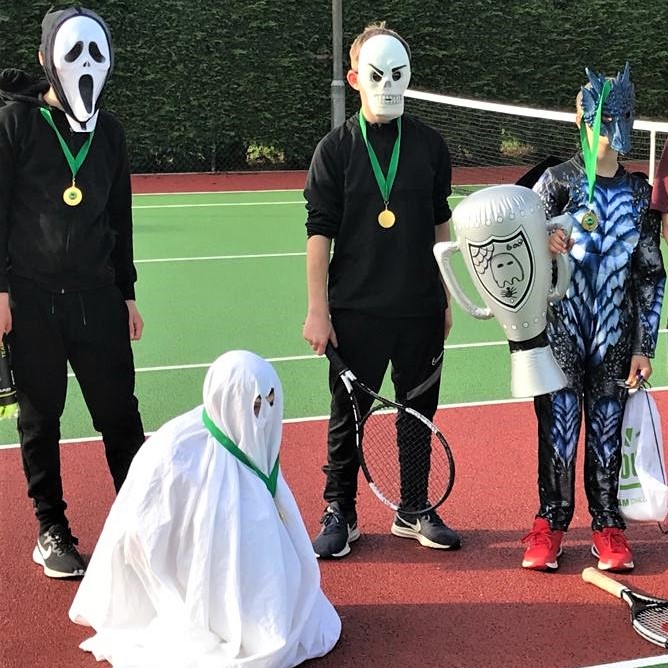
(604, 332)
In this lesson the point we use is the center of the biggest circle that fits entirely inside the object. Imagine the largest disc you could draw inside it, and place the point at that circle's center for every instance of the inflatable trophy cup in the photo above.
(502, 234)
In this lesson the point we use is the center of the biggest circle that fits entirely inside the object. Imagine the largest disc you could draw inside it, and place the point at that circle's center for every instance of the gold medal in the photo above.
(386, 218)
(589, 221)
(72, 196)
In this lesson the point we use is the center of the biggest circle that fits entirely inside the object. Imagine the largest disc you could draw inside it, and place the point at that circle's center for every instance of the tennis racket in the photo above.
(649, 615)
(8, 406)
(403, 455)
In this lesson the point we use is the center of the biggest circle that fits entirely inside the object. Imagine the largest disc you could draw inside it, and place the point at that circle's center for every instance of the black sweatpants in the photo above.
(90, 330)
(414, 347)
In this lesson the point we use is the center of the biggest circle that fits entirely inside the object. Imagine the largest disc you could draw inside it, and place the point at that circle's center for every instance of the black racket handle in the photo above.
(335, 359)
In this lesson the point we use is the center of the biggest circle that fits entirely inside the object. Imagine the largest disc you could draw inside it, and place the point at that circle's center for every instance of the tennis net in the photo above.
(494, 143)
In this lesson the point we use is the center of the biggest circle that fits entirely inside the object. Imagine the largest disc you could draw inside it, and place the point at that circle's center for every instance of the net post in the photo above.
(338, 92)
(652, 155)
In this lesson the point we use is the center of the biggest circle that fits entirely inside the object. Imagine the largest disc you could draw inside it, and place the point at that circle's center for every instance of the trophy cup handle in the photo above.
(443, 251)
(563, 279)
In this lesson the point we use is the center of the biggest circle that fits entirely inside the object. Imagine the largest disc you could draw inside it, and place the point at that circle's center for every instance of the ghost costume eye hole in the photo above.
(74, 52)
(396, 75)
(257, 404)
(375, 77)
(95, 53)
(270, 397)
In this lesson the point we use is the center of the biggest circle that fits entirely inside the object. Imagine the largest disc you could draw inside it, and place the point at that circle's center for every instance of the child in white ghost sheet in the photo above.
(204, 560)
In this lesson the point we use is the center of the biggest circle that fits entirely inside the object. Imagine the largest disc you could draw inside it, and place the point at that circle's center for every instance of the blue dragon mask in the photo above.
(618, 107)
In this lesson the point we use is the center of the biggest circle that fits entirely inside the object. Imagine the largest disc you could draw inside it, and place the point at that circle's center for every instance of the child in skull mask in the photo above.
(66, 272)
(378, 186)
(604, 332)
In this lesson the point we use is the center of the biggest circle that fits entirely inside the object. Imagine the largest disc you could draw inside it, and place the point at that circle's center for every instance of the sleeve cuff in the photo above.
(127, 290)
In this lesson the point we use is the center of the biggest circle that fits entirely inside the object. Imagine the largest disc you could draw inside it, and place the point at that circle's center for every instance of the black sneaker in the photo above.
(428, 529)
(339, 529)
(55, 551)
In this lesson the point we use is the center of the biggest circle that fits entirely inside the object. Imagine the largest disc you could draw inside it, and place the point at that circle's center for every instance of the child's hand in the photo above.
(641, 370)
(559, 242)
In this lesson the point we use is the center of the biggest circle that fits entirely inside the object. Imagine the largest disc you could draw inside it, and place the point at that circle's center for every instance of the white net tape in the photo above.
(497, 143)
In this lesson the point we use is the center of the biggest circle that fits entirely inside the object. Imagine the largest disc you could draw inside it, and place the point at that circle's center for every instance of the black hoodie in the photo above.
(60, 247)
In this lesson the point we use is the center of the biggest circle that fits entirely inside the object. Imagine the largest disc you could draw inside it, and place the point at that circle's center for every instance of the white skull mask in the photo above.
(383, 73)
(77, 64)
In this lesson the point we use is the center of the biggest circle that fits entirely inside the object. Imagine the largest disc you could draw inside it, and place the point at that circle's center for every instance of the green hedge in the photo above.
(245, 84)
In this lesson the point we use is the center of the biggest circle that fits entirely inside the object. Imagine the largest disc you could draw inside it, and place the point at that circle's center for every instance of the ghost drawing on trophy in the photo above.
(502, 234)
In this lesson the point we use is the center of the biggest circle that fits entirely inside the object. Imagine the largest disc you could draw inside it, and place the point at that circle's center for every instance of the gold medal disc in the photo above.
(72, 196)
(386, 218)
(589, 221)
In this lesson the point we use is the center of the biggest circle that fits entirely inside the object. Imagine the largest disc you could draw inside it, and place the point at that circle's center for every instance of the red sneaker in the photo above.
(543, 546)
(612, 550)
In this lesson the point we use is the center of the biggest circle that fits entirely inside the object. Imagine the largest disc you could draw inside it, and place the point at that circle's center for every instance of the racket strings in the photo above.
(654, 619)
(410, 466)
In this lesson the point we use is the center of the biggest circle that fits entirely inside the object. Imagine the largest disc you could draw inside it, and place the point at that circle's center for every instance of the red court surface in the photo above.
(294, 180)
(217, 182)
(401, 605)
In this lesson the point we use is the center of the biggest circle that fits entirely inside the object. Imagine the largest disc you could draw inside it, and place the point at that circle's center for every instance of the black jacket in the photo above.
(386, 272)
(59, 247)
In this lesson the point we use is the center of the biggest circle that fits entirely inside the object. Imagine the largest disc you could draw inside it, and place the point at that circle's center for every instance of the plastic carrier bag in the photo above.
(643, 493)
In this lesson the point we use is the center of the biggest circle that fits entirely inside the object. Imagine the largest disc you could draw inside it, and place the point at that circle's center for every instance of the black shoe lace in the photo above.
(330, 521)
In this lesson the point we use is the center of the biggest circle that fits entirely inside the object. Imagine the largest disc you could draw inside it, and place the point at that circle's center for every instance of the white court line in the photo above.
(322, 418)
(218, 192)
(219, 204)
(299, 358)
(294, 358)
(218, 257)
(187, 205)
(317, 418)
(211, 204)
(637, 663)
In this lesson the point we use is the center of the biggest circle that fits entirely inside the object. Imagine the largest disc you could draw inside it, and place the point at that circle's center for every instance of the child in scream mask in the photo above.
(377, 187)
(67, 273)
(604, 332)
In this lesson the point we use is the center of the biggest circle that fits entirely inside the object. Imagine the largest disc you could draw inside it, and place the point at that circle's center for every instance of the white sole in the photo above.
(352, 537)
(551, 566)
(423, 540)
(38, 559)
(602, 566)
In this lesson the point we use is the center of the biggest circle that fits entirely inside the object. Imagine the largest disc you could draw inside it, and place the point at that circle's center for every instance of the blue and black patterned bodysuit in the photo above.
(611, 312)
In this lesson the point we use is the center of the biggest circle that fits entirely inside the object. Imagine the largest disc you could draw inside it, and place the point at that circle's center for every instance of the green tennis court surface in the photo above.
(221, 271)
(654, 662)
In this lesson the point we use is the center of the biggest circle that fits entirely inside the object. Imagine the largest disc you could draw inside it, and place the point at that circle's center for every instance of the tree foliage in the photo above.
(246, 83)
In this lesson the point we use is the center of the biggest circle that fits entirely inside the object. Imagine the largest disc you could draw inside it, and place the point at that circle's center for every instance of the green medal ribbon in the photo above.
(385, 183)
(590, 153)
(270, 481)
(73, 161)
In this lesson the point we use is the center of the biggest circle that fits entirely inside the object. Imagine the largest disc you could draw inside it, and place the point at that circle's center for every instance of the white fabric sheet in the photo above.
(198, 566)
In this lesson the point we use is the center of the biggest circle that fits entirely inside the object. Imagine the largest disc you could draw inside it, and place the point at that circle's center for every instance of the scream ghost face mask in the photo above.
(383, 75)
(77, 59)
(618, 111)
